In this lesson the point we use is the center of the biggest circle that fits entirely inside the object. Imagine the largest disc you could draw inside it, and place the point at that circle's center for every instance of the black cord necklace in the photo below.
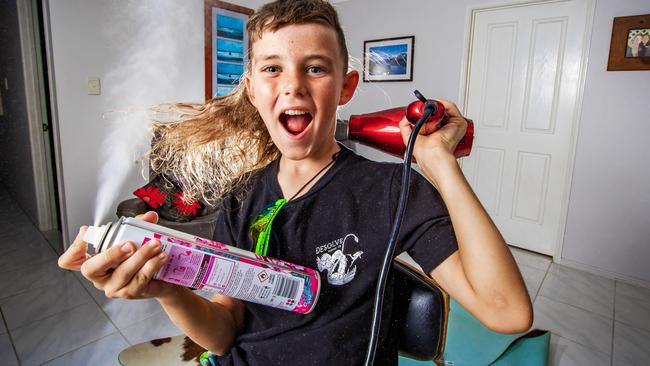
(260, 230)
(334, 157)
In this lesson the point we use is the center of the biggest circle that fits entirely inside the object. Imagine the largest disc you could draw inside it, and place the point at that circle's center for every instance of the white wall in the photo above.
(145, 52)
(438, 49)
(608, 226)
(439, 30)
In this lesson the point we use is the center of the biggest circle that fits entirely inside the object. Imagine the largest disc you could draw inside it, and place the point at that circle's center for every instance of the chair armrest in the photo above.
(202, 226)
(131, 207)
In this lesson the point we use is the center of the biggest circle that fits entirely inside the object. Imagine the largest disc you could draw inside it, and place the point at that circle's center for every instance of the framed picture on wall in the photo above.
(630, 45)
(388, 59)
(226, 46)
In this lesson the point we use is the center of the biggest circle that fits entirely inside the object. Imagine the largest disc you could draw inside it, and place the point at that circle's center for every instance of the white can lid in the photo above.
(94, 235)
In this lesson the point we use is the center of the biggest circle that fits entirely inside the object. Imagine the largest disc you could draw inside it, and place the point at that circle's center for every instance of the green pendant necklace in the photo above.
(260, 230)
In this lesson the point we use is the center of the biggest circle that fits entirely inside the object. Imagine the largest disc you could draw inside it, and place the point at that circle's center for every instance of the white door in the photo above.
(523, 91)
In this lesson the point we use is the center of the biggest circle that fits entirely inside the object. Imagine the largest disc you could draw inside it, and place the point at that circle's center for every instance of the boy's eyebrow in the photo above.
(320, 57)
(316, 56)
(266, 57)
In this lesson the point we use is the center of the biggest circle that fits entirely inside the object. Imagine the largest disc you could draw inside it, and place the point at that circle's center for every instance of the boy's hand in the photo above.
(434, 149)
(433, 142)
(126, 272)
(121, 271)
(76, 254)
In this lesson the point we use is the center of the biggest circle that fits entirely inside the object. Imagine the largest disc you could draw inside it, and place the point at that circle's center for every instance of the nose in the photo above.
(294, 83)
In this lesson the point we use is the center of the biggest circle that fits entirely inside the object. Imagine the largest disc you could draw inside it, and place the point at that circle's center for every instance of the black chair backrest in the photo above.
(419, 315)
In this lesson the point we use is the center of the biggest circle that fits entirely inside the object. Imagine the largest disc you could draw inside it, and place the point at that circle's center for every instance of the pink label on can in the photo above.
(309, 295)
(201, 264)
(183, 266)
(211, 243)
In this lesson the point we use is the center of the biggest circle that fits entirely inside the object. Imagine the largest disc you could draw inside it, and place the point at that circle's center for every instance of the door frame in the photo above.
(38, 145)
(44, 177)
(472, 12)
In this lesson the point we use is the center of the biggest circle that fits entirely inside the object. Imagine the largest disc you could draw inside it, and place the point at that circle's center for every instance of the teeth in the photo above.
(292, 112)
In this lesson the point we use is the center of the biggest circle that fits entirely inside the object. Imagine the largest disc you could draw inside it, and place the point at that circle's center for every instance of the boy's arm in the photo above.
(213, 325)
(482, 275)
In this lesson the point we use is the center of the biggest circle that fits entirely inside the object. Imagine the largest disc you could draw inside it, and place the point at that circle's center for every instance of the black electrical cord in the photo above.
(430, 108)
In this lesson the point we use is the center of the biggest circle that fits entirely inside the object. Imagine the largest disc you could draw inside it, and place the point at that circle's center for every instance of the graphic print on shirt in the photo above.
(336, 262)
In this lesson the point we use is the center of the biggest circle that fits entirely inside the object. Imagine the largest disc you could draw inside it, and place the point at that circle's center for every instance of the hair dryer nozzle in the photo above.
(342, 131)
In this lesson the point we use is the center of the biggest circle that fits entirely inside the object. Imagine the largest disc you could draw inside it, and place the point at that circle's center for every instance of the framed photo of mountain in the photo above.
(388, 59)
(226, 46)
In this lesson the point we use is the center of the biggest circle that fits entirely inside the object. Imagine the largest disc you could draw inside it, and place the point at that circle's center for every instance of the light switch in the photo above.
(93, 86)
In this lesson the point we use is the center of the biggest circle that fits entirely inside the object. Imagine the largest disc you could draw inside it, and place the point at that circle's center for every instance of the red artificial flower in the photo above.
(186, 208)
(151, 196)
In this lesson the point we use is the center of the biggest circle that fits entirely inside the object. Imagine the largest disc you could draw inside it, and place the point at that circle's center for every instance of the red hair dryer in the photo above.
(381, 129)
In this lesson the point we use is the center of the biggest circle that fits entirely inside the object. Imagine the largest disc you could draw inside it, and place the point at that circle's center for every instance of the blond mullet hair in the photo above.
(211, 149)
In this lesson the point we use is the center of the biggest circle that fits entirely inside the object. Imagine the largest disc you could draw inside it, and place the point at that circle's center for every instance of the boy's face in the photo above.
(296, 82)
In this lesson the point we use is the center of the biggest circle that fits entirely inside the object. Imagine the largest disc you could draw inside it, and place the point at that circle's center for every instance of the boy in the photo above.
(337, 217)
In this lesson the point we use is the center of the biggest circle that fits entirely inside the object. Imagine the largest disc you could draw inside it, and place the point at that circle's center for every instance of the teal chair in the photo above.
(458, 338)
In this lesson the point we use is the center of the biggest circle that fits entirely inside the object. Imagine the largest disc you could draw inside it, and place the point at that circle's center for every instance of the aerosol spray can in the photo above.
(207, 265)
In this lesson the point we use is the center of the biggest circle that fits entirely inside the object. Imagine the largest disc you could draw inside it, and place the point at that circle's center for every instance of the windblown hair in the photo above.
(275, 15)
(211, 149)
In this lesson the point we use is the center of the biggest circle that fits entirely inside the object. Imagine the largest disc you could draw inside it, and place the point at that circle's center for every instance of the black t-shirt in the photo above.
(347, 214)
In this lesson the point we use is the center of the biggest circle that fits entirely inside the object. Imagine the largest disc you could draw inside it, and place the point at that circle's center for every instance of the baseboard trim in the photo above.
(604, 273)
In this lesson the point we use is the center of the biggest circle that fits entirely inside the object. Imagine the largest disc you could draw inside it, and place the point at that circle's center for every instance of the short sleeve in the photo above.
(426, 234)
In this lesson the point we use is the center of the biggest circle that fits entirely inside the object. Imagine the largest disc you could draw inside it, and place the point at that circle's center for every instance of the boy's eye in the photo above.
(271, 69)
(315, 70)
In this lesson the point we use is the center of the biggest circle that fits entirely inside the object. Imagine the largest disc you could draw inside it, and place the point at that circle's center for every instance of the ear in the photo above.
(349, 86)
(248, 82)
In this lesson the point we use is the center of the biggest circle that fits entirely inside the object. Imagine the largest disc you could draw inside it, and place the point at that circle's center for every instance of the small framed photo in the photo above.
(630, 45)
(226, 46)
(389, 59)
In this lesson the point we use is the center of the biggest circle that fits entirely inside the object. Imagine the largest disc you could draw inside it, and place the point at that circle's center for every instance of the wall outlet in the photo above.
(93, 86)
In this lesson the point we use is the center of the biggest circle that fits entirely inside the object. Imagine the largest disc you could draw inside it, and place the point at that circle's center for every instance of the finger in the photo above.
(143, 282)
(124, 273)
(455, 128)
(74, 257)
(454, 118)
(405, 129)
(431, 127)
(103, 263)
(149, 216)
(451, 109)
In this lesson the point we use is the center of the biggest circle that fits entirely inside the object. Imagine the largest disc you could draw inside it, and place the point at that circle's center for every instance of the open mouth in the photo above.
(295, 121)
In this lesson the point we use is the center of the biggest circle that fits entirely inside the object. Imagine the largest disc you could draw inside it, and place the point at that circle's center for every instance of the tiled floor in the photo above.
(54, 317)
